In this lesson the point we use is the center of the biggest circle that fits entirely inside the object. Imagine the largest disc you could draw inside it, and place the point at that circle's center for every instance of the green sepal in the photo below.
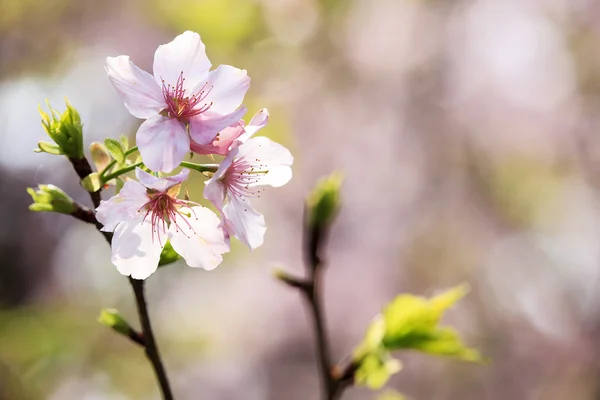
(92, 183)
(168, 255)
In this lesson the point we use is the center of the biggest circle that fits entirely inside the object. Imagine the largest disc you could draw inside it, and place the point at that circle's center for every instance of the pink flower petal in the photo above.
(124, 206)
(163, 143)
(160, 184)
(135, 252)
(248, 225)
(221, 144)
(204, 127)
(201, 240)
(137, 88)
(185, 54)
(228, 88)
(258, 121)
(272, 157)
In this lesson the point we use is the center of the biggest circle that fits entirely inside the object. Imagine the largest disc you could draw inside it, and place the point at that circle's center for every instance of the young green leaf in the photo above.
(412, 322)
(375, 369)
(409, 322)
(115, 150)
(124, 142)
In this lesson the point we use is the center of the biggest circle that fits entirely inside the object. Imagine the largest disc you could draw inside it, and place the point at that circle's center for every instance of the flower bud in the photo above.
(324, 202)
(100, 156)
(110, 317)
(65, 130)
(50, 198)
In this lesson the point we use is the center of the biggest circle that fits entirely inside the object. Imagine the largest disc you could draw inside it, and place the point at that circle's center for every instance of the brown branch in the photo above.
(334, 380)
(150, 344)
(82, 168)
(146, 339)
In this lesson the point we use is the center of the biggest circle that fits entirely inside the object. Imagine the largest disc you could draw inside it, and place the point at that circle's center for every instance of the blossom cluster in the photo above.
(189, 108)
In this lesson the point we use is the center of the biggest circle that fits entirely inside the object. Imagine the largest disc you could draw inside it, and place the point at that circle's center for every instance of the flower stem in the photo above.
(200, 167)
(113, 162)
(149, 342)
(120, 172)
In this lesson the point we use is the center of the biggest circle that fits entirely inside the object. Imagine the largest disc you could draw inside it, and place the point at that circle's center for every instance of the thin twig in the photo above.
(333, 380)
(146, 339)
(150, 343)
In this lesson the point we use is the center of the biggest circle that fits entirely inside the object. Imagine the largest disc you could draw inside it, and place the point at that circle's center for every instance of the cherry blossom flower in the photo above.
(232, 135)
(183, 99)
(145, 214)
(250, 164)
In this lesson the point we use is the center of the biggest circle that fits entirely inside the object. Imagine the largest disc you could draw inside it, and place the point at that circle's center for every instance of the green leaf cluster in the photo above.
(49, 198)
(108, 156)
(66, 130)
(409, 322)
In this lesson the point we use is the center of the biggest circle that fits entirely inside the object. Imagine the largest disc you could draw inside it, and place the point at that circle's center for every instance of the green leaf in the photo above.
(409, 322)
(92, 183)
(124, 142)
(65, 129)
(375, 369)
(50, 148)
(373, 339)
(168, 255)
(115, 149)
(412, 322)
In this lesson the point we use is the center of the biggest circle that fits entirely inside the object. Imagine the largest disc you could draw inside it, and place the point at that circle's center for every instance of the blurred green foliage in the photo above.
(223, 24)
(409, 322)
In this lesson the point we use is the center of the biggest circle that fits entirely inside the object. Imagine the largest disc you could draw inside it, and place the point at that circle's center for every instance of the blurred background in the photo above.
(469, 135)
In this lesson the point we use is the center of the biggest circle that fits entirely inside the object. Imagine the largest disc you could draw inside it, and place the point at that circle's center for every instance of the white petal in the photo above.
(265, 154)
(163, 143)
(138, 89)
(228, 88)
(135, 252)
(214, 191)
(204, 127)
(248, 224)
(122, 207)
(187, 54)
(160, 184)
(258, 121)
(200, 239)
